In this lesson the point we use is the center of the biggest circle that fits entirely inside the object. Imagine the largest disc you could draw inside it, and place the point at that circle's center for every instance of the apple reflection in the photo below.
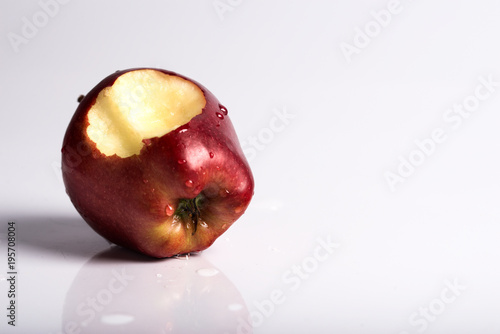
(118, 291)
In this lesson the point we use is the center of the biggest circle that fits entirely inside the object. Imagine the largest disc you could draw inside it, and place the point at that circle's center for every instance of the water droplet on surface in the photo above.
(145, 181)
(234, 307)
(189, 183)
(223, 109)
(212, 155)
(117, 319)
(182, 130)
(203, 224)
(182, 257)
(181, 161)
(219, 115)
(169, 210)
(207, 272)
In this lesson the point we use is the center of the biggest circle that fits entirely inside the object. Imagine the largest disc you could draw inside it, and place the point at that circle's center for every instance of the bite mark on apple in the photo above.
(138, 106)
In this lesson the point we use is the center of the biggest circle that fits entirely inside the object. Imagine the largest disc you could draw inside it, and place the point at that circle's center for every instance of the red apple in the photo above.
(151, 161)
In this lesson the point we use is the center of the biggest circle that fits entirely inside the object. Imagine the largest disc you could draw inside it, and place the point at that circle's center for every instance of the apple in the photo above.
(152, 163)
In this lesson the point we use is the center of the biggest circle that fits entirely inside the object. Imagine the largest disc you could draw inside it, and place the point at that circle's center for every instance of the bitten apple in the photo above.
(152, 163)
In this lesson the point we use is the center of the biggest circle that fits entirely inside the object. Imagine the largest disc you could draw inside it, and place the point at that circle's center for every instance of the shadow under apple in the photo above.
(118, 291)
(56, 236)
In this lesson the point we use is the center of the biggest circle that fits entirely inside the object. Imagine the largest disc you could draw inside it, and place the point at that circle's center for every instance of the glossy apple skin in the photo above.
(129, 201)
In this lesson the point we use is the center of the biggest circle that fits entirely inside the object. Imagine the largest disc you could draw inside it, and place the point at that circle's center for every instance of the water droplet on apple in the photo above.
(145, 181)
(223, 109)
(212, 155)
(181, 161)
(203, 224)
(169, 210)
(189, 183)
(207, 272)
(219, 115)
(182, 130)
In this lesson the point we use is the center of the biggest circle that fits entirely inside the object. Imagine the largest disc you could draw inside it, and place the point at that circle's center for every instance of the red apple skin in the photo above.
(129, 201)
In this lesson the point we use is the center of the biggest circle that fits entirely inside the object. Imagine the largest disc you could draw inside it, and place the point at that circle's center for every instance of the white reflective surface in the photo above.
(372, 132)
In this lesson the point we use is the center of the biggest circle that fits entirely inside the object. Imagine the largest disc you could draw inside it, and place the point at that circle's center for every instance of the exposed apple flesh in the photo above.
(141, 105)
(152, 163)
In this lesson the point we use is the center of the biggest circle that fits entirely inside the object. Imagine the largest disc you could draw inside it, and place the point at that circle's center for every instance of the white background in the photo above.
(361, 82)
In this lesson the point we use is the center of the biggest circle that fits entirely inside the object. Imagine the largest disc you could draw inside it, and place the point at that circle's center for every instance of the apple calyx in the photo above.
(188, 210)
